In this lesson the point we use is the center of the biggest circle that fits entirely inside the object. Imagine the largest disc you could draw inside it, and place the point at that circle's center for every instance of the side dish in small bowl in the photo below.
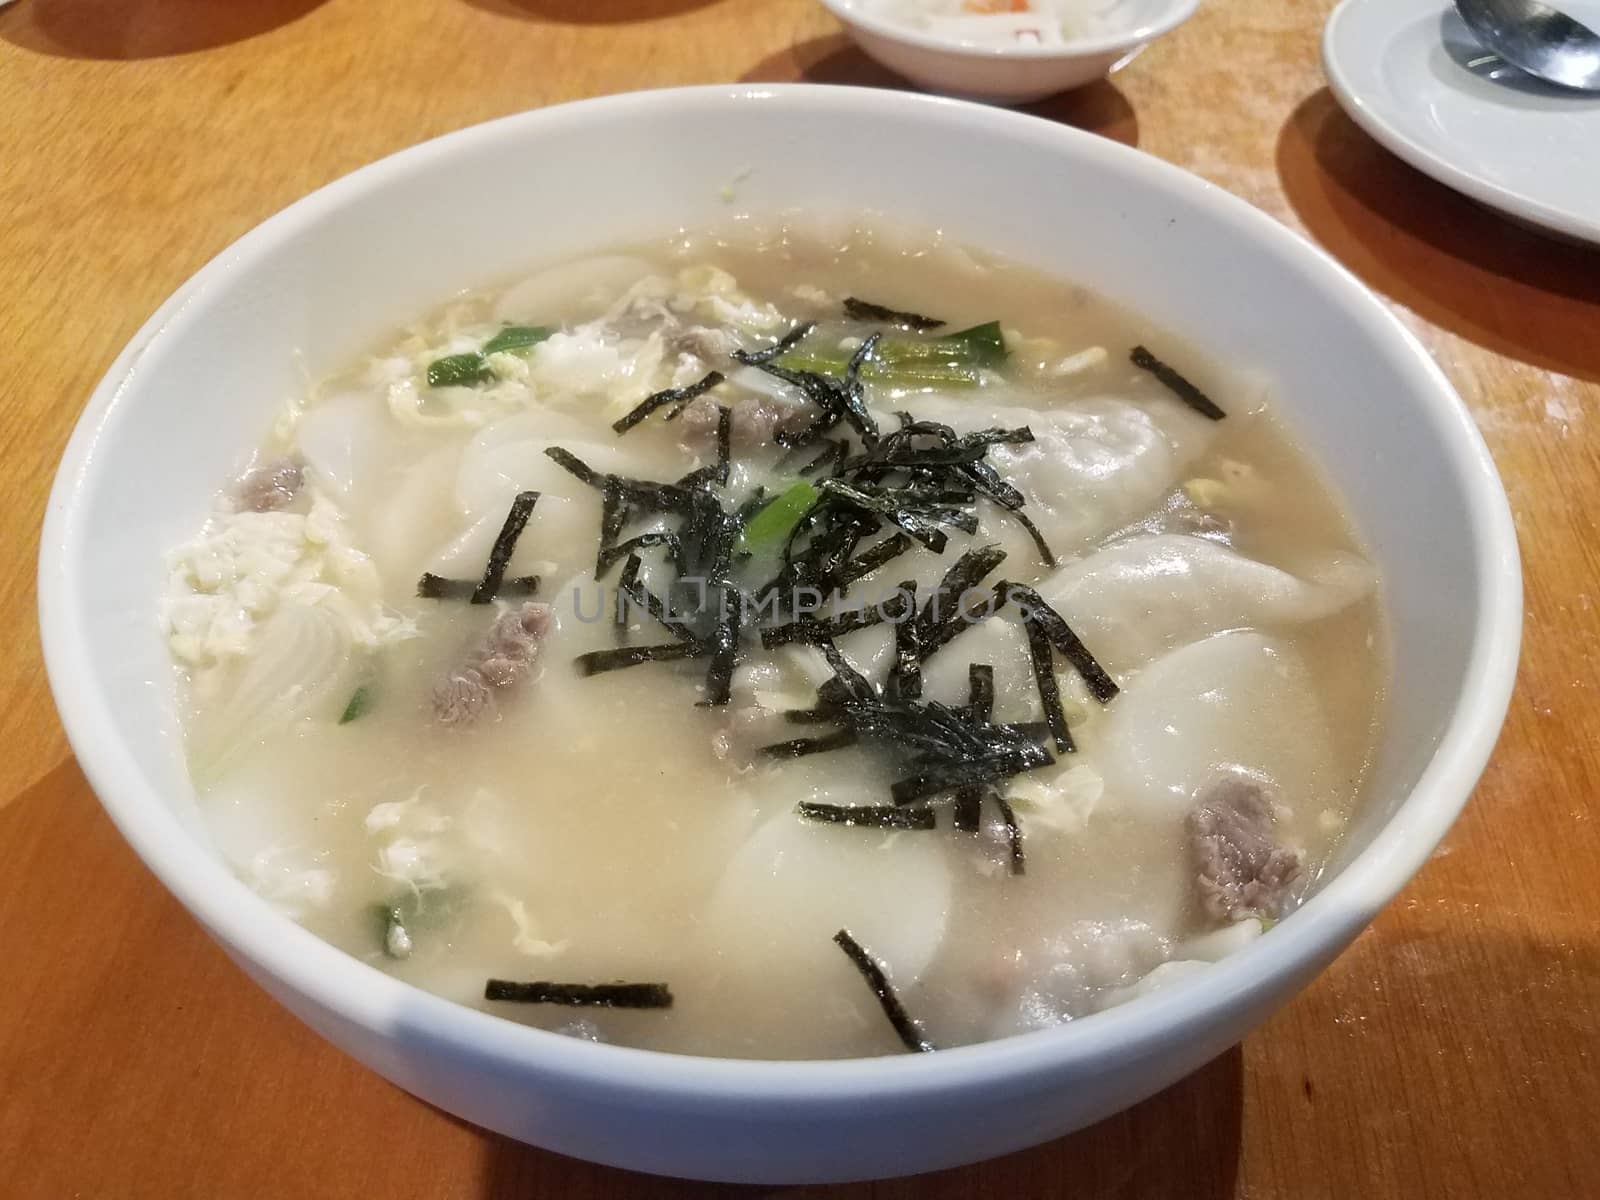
(1007, 51)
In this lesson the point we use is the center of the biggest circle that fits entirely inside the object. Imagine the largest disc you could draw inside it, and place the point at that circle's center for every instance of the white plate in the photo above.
(1411, 74)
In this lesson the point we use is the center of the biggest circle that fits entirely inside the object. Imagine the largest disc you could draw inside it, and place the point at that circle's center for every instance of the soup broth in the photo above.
(1112, 749)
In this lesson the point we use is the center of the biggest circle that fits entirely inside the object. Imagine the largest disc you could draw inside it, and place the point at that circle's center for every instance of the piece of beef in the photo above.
(269, 487)
(756, 419)
(502, 660)
(1243, 870)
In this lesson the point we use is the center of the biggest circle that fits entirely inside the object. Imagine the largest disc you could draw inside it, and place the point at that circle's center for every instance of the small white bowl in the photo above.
(203, 379)
(1009, 74)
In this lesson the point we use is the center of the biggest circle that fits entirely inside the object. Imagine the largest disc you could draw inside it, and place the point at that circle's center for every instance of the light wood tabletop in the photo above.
(1453, 1051)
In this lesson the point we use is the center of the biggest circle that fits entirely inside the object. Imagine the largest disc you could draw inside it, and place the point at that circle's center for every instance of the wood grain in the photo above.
(1450, 1053)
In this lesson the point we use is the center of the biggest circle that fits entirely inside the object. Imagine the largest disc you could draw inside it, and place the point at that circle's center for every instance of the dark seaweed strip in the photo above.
(1014, 832)
(984, 478)
(1176, 384)
(905, 458)
(809, 630)
(997, 436)
(837, 399)
(620, 551)
(597, 661)
(700, 477)
(581, 995)
(630, 576)
(905, 677)
(1026, 522)
(1049, 691)
(756, 358)
(875, 816)
(681, 396)
(968, 814)
(810, 716)
(505, 544)
(963, 575)
(437, 587)
(872, 558)
(613, 516)
(862, 356)
(572, 463)
(645, 492)
(651, 603)
(724, 644)
(865, 310)
(924, 529)
(958, 623)
(980, 693)
(724, 443)
(959, 776)
(835, 452)
(908, 1031)
(800, 747)
(850, 682)
(1101, 686)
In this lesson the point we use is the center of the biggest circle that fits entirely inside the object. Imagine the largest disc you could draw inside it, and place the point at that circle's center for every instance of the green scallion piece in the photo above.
(910, 373)
(516, 339)
(459, 370)
(360, 704)
(776, 519)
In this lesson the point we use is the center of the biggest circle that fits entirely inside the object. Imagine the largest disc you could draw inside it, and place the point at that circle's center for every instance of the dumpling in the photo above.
(1093, 466)
(1236, 700)
(1138, 598)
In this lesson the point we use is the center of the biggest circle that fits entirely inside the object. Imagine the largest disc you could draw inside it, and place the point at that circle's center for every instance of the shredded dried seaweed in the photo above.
(800, 747)
(597, 662)
(1013, 833)
(1101, 686)
(872, 816)
(580, 995)
(505, 544)
(906, 1029)
(1049, 690)
(865, 310)
(437, 587)
(1176, 384)
(679, 398)
(755, 358)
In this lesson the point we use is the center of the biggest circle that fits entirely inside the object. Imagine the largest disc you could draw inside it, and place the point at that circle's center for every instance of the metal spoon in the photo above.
(1538, 39)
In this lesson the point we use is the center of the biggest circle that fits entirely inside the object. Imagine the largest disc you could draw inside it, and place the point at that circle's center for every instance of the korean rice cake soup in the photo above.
(780, 646)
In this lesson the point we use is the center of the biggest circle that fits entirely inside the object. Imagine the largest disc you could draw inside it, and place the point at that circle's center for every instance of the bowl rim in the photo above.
(1179, 11)
(327, 978)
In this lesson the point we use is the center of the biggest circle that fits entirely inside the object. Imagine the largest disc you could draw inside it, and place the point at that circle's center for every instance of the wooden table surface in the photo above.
(1451, 1052)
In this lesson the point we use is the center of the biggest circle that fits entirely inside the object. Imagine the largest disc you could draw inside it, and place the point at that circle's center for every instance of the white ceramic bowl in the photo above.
(327, 276)
(1010, 74)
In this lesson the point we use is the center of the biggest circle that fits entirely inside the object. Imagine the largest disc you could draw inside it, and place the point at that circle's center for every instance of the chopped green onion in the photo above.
(773, 523)
(459, 370)
(906, 374)
(360, 704)
(516, 339)
(982, 344)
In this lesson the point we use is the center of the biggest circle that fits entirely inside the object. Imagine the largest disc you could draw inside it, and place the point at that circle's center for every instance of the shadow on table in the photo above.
(592, 12)
(1181, 1142)
(1099, 108)
(1453, 262)
(133, 29)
